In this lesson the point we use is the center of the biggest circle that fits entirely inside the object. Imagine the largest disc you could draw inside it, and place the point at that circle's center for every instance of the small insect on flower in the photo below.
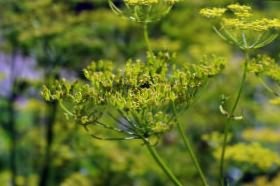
(143, 10)
(238, 25)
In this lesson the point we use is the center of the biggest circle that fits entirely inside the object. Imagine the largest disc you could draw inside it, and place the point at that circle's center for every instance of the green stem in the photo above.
(12, 121)
(146, 37)
(162, 165)
(231, 114)
(189, 148)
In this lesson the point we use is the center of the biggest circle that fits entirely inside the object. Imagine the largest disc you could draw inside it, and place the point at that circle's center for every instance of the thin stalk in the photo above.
(162, 164)
(146, 37)
(13, 136)
(12, 120)
(50, 135)
(46, 173)
(229, 119)
(190, 149)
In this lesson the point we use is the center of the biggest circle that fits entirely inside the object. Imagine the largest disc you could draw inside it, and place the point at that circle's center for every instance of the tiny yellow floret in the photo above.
(148, 2)
(241, 11)
(212, 12)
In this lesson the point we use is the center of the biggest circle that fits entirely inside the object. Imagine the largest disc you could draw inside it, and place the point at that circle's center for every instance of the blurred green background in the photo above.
(42, 40)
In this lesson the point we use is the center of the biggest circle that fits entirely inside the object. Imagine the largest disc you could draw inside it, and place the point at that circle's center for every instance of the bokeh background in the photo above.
(42, 40)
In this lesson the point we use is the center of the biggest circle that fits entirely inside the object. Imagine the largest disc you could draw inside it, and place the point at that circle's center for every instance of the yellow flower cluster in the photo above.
(251, 154)
(265, 135)
(258, 25)
(75, 178)
(240, 10)
(242, 18)
(215, 139)
(143, 11)
(275, 101)
(148, 2)
(265, 181)
(266, 66)
(212, 12)
(141, 2)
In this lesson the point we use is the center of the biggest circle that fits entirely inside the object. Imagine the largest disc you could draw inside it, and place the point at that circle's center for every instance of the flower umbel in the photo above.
(251, 155)
(212, 12)
(144, 10)
(137, 99)
(238, 25)
(148, 2)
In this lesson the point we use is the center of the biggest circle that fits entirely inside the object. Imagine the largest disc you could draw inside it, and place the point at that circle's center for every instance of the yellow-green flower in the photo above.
(265, 181)
(263, 135)
(141, 94)
(141, 2)
(144, 10)
(239, 26)
(250, 154)
(241, 11)
(215, 139)
(149, 2)
(212, 12)
(266, 66)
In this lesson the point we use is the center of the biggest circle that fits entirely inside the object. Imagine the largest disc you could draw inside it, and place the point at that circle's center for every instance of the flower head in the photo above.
(144, 10)
(137, 99)
(148, 2)
(212, 12)
(239, 26)
(241, 11)
(250, 155)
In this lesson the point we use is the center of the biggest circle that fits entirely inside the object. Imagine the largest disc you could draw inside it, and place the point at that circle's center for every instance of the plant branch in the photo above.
(11, 119)
(231, 114)
(147, 40)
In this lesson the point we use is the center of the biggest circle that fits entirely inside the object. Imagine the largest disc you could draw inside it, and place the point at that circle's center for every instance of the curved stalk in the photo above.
(162, 165)
(229, 119)
(189, 148)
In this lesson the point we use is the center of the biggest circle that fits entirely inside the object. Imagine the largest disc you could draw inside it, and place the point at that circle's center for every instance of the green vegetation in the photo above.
(139, 92)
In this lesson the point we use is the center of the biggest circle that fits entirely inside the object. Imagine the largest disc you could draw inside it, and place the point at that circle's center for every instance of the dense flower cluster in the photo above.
(265, 181)
(139, 97)
(144, 10)
(259, 25)
(239, 26)
(148, 2)
(215, 139)
(263, 135)
(243, 18)
(141, 2)
(250, 154)
(240, 10)
(264, 65)
(212, 12)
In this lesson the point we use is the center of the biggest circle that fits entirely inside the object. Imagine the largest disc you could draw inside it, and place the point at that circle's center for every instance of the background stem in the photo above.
(12, 121)
(229, 119)
(46, 170)
(146, 37)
